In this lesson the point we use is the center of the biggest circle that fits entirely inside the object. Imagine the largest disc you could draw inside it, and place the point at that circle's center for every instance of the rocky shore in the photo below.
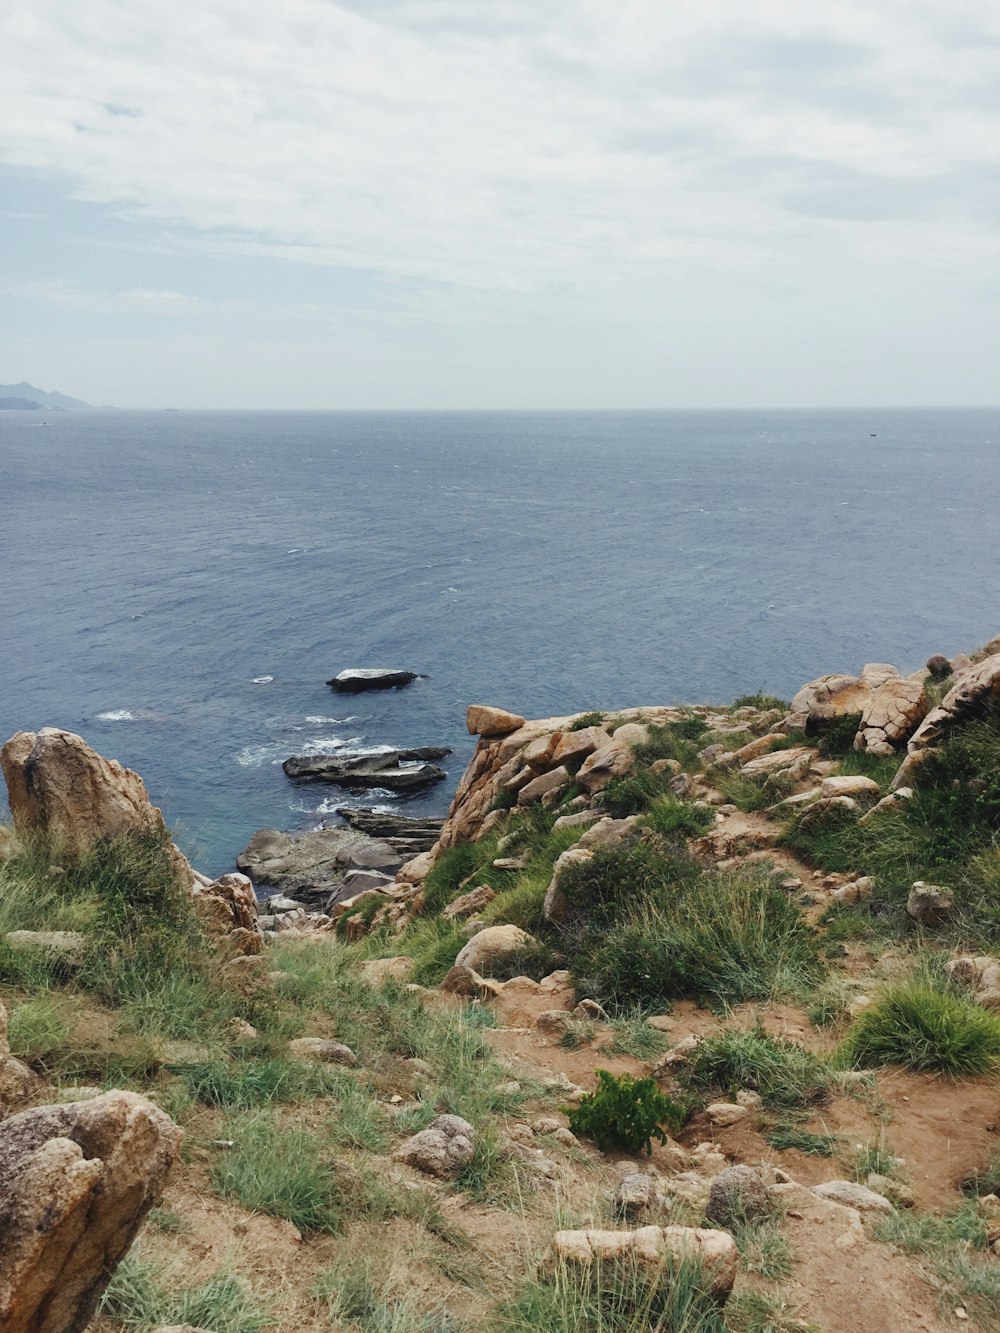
(774, 923)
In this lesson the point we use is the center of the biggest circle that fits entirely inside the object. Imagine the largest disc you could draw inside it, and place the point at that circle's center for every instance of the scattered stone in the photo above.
(660, 1022)
(655, 1248)
(611, 761)
(590, 1009)
(481, 720)
(238, 1029)
(737, 1194)
(76, 1183)
(981, 975)
(354, 680)
(443, 1149)
(608, 832)
(556, 1023)
(750, 1099)
(854, 891)
(929, 904)
(631, 734)
(581, 819)
(67, 945)
(846, 785)
(555, 906)
(724, 1114)
(469, 985)
(891, 715)
(321, 1049)
(853, 1195)
(469, 903)
(635, 1195)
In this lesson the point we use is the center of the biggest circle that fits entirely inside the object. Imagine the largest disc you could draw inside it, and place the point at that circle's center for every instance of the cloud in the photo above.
(523, 150)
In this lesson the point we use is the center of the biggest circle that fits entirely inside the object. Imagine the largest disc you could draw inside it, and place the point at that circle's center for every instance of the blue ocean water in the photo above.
(178, 586)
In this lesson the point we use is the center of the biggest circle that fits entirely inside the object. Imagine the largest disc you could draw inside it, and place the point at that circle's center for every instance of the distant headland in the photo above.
(24, 397)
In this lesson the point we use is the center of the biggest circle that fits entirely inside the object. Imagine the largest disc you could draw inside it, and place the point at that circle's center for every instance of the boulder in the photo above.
(468, 984)
(555, 905)
(853, 1195)
(481, 720)
(738, 1194)
(631, 734)
(228, 909)
(930, 904)
(656, 1248)
(848, 785)
(891, 715)
(831, 696)
(61, 789)
(443, 1149)
(537, 754)
(724, 1114)
(938, 666)
(608, 832)
(544, 785)
(493, 946)
(354, 680)
(575, 746)
(610, 761)
(76, 1182)
(407, 835)
(380, 970)
(976, 690)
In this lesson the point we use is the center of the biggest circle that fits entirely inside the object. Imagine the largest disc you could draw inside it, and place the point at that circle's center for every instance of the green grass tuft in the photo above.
(926, 1030)
(785, 1075)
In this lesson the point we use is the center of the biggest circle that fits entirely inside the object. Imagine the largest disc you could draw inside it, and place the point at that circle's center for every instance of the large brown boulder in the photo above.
(482, 720)
(891, 714)
(61, 789)
(975, 692)
(76, 1182)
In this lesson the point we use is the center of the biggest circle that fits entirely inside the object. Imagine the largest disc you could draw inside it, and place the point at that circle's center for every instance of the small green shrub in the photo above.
(586, 720)
(785, 1075)
(632, 793)
(625, 1111)
(454, 865)
(927, 1030)
(673, 818)
(618, 881)
(38, 1029)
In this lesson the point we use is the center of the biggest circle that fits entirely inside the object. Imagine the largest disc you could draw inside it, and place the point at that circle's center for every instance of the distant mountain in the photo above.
(25, 395)
(19, 405)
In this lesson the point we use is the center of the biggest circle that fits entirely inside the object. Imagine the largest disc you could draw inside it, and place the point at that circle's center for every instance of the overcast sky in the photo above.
(501, 203)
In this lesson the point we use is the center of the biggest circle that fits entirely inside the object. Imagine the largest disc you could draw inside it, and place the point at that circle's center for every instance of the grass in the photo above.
(38, 1029)
(764, 1248)
(927, 1030)
(785, 1075)
(359, 1294)
(613, 1298)
(785, 1135)
(763, 1312)
(141, 1297)
(679, 740)
(673, 818)
(286, 1172)
(953, 1246)
(725, 937)
(764, 703)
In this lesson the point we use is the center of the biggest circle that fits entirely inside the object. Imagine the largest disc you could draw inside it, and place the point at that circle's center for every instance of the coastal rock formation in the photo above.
(976, 690)
(408, 836)
(892, 713)
(392, 770)
(61, 789)
(313, 865)
(76, 1182)
(481, 720)
(354, 680)
(228, 909)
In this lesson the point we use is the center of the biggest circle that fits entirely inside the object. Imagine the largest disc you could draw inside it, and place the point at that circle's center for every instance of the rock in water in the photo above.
(393, 769)
(408, 836)
(354, 680)
(76, 1182)
(313, 864)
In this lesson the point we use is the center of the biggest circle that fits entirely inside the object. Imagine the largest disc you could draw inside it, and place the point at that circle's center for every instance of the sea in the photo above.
(178, 587)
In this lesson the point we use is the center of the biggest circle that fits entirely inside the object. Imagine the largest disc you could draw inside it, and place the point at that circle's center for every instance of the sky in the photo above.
(501, 203)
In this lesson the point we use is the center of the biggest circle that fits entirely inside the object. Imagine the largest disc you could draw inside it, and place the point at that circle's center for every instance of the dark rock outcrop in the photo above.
(309, 866)
(354, 680)
(408, 836)
(394, 770)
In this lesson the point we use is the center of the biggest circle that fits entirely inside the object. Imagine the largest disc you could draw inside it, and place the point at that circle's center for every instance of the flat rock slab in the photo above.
(302, 864)
(407, 835)
(354, 680)
(394, 770)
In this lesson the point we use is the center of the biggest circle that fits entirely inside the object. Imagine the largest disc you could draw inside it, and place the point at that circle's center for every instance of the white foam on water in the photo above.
(320, 721)
(262, 680)
(117, 715)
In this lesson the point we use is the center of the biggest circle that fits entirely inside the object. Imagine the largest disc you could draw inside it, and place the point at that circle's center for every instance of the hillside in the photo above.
(781, 918)
(25, 395)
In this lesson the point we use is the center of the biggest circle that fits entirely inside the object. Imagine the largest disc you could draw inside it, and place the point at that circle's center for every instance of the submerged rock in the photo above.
(354, 680)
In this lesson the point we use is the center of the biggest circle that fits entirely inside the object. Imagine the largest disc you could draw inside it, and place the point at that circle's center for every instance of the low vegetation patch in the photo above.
(785, 1075)
(140, 1296)
(930, 1031)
